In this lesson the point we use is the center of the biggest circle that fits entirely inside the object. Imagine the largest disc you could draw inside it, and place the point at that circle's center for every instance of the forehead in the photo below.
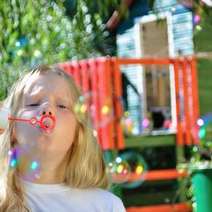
(49, 81)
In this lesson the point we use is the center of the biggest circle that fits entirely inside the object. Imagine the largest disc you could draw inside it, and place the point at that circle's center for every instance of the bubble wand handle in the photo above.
(46, 122)
(32, 121)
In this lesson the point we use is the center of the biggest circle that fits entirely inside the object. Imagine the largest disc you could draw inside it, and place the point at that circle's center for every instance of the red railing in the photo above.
(101, 79)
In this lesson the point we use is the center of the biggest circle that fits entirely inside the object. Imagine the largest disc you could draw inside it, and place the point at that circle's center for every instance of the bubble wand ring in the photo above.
(41, 122)
(45, 118)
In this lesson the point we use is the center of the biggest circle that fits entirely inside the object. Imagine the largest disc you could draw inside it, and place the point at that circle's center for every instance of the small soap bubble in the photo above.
(200, 122)
(33, 171)
(145, 123)
(128, 169)
(13, 158)
(105, 110)
(119, 170)
(13, 163)
(127, 125)
(34, 165)
(205, 130)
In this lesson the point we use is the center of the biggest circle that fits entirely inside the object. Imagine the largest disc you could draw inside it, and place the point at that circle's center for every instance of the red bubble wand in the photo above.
(46, 122)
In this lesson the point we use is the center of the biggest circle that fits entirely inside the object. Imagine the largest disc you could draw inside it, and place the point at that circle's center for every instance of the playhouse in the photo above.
(144, 104)
(101, 82)
(166, 32)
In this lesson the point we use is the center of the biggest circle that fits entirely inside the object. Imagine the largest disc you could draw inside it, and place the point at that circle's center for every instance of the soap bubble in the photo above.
(33, 171)
(205, 130)
(135, 170)
(101, 112)
(13, 158)
(128, 169)
(138, 168)
(32, 167)
(145, 123)
(119, 170)
(127, 125)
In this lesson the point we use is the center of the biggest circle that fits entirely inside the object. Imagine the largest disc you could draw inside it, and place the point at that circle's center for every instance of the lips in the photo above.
(47, 123)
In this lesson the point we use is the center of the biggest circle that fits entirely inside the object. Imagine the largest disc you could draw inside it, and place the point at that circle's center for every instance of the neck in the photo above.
(50, 176)
(49, 171)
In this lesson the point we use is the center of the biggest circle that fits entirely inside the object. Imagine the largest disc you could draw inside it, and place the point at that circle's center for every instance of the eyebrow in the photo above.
(38, 95)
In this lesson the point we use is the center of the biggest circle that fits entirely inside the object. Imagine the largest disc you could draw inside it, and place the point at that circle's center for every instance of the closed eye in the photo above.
(33, 105)
(62, 106)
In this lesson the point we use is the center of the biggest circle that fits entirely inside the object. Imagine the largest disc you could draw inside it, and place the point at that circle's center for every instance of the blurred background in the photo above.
(154, 122)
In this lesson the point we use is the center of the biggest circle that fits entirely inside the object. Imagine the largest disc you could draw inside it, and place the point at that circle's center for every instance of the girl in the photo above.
(59, 169)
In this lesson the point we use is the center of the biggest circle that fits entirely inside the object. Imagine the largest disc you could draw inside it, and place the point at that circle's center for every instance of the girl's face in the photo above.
(49, 93)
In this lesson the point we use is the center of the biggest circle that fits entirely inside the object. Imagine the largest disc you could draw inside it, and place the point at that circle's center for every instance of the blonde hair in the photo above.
(85, 166)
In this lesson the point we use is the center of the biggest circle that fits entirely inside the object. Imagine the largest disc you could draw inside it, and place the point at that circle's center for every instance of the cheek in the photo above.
(66, 129)
(25, 133)
(24, 127)
(66, 122)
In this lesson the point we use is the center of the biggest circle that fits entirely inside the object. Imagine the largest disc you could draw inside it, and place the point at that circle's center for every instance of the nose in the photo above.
(47, 110)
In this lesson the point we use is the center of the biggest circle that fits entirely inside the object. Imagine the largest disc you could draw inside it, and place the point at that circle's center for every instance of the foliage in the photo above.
(52, 31)
(40, 31)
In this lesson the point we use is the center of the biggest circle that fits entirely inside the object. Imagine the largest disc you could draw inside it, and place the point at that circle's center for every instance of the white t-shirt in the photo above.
(60, 198)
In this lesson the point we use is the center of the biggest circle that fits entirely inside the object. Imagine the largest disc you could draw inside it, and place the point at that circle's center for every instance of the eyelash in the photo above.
(62, 106)
(33, 105)
(37, 104)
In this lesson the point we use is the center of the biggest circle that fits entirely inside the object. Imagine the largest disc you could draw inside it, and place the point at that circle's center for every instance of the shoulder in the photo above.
(109, 198)
(102, 199)
(106, 194)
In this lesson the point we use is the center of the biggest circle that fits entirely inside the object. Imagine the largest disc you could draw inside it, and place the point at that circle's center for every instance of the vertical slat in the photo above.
(178, 112)
(105, 97)
(118, 108)
(95, 106)
(195, 97)
(85, 75)
(191, 101)
(76, 72)
(67, 67)
(186, 103)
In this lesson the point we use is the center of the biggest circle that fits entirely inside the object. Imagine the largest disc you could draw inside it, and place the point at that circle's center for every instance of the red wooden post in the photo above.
(85, 76)
(76, 72)
(178, 112)
(118, 107)
(191, 107)
(195, 98)
(66, 67)
(187, 126)
(95, 106)
(106, 106)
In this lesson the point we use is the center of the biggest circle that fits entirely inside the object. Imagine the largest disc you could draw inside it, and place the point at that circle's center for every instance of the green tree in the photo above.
(52, 31)
(45, 31)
